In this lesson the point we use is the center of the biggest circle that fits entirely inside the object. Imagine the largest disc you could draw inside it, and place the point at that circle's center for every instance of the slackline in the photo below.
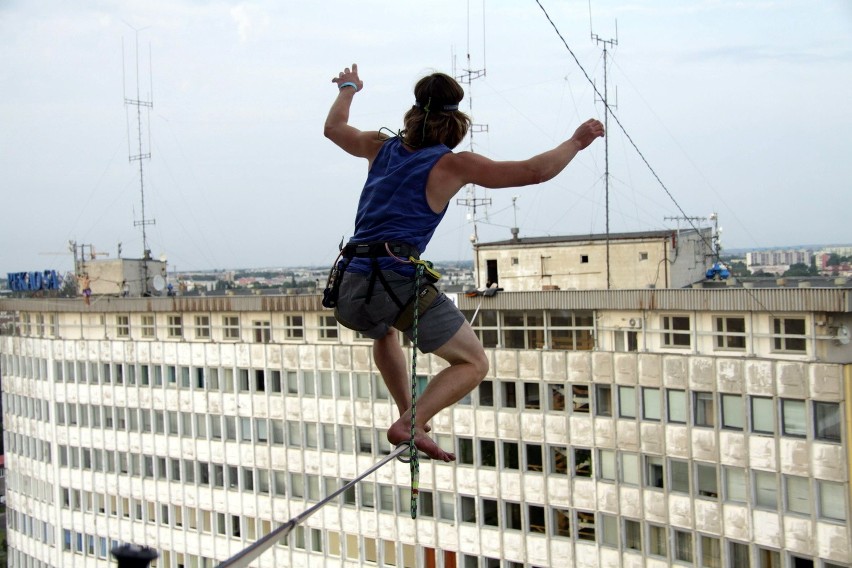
(245, 556)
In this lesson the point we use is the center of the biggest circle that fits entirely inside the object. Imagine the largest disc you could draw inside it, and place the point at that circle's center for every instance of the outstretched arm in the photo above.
(457, 170)
(337, 128)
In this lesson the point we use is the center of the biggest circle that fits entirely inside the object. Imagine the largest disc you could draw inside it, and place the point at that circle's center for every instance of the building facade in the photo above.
(683, 427)
(649, 259)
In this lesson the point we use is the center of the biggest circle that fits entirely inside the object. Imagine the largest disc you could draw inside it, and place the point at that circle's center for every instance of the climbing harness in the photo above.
(245, 556)
(403, 253)
(409, 315)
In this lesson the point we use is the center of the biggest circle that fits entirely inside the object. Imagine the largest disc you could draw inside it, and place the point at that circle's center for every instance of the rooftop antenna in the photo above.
(140, 155)
(466, 77)
(607, 44)
(514, 230)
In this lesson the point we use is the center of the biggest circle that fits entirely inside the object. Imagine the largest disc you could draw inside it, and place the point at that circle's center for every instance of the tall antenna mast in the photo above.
(467, 77)
(140, 155)
(606, 43)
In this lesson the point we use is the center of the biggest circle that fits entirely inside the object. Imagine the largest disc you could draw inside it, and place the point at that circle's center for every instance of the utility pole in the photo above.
(607, 44)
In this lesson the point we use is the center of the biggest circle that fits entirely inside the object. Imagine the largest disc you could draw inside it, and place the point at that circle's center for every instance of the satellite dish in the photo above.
(159, 283)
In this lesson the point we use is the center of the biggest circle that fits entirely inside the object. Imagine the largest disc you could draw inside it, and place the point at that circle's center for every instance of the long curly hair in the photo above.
(428, 123)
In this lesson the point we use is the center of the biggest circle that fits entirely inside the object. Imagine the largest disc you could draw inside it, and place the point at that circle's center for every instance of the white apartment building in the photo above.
(679, 427)
(777, 260)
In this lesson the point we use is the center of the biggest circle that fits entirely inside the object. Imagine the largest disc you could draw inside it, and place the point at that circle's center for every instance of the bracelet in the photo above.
(348, 84)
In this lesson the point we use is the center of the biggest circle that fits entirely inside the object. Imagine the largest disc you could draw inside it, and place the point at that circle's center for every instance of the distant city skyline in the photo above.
(725, 100)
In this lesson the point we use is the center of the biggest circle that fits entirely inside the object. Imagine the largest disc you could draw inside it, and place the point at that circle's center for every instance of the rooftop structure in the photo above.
(648, 259)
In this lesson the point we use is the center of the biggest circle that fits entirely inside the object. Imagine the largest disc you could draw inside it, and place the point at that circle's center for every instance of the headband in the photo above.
(440, 107)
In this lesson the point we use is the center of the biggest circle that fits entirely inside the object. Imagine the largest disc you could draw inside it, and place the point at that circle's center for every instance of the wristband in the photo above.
(348, 84)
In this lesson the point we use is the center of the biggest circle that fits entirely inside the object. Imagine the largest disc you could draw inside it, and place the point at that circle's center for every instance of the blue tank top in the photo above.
(393, 206)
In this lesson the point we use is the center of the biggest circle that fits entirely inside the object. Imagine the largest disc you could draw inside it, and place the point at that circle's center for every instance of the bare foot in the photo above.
(400, 432)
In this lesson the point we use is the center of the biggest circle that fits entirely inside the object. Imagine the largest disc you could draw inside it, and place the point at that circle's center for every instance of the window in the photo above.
(798, 494)
(511, 453)
(654, 472)
(487, 453)
(262, 331)
(535, 460)
(603, 400)
(570, 330)
(762, 415)
(827, 424)
(677, 408)
(148, 328)
(832, 500)
(606, 465)
(486, 394)
(465, 451)
(328, 327)
(582, 462)
(765, 490)
(446, 506)
(632, 535)
(705, 409)
(202, 327)
(711, 552)
(683, 546)
(768, 558)
(490, 518)
(294, 327)
(467, 509)
(730, 333)
(536, 519)
(788, 335)
(532, 396)
(580, 398)
(509, 392)
(586, 525)
(738, 555)
(657, 541)
(523, 329)
(122, 326)
(676, 331)
(678, 476)
(174, 326)
(561, 523)
(609, 530)
(733, 415)
(651, 404)
(735, 484)
(793, 421)
(627, 402)
(231, 328)
(630, 472)
(705, 475)
(555, 397)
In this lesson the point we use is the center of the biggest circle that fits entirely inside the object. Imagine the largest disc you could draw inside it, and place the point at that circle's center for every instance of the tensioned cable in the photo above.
(635, 147)
(621, 126)
(245, 556)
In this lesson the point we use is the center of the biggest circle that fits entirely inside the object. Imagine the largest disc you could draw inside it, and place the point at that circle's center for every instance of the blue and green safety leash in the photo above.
(414, 461)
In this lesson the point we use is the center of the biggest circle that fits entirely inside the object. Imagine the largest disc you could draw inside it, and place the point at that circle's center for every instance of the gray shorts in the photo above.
(440, 322)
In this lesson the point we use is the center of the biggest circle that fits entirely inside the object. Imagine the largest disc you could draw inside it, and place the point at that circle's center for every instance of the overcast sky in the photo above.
(740, 107)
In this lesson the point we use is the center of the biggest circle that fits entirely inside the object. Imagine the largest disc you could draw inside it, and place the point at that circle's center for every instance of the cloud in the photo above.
(252, 21)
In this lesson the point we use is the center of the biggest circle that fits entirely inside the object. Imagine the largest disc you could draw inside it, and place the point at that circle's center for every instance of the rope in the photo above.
(245, 556)
(414, 462)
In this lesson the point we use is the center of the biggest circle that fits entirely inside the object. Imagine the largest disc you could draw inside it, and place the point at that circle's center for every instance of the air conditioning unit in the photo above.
(635, 323)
